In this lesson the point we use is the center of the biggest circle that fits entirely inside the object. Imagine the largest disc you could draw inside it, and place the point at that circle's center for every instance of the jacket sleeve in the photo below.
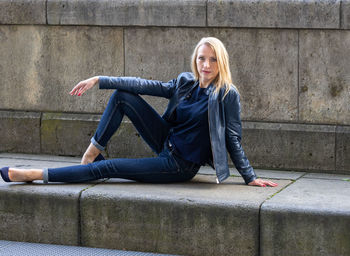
(233, 133)
(139, 85)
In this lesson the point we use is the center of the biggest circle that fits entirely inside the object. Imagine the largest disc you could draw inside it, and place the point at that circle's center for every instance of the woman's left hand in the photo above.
(262, 183)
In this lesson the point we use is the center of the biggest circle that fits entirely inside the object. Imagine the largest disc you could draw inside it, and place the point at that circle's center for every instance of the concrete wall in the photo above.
(289, 59)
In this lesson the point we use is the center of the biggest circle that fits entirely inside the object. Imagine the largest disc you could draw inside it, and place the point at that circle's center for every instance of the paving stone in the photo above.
(20, 132)
(39, 65)
(23, 12)
(327, 176)
(324, 76)
(128, 12)
(274, 14)
(175, 218)
(309, 217)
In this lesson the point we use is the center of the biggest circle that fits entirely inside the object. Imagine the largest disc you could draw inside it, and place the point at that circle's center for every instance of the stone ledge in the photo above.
(117, 213)
(320, 148)
(34, 212)
(290, 146)
(310, 217)
(201, 216)
(343, 148)
(20, 132)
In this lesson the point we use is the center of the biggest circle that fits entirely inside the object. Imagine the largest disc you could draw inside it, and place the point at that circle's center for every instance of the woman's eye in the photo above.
(201, 58)
(213, 59)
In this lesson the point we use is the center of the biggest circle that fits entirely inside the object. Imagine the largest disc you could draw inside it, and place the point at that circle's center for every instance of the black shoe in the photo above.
(5, 174)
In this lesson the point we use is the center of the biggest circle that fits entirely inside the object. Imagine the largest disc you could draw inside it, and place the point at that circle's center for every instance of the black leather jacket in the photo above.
(224, 117)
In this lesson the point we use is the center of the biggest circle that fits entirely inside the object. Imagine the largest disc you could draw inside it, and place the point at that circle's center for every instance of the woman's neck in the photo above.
(204, 84)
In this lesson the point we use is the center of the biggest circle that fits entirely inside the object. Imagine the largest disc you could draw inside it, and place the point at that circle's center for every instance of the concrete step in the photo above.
(11, 248)
(317, 148)
(307, 214)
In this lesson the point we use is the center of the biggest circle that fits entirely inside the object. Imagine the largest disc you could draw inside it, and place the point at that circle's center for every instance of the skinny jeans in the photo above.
(166, 167)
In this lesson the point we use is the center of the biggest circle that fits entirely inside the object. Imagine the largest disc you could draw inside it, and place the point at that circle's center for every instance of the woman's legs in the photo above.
(151, 126)
(162, 169)
(146, 120)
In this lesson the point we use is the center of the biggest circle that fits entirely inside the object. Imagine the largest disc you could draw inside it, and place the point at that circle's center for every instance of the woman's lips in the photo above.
(206, 72)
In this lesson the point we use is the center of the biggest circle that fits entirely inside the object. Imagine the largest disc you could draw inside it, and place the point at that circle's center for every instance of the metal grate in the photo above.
(10, 248)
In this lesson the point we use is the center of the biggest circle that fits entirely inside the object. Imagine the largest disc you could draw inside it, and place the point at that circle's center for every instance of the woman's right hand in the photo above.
(84, 85)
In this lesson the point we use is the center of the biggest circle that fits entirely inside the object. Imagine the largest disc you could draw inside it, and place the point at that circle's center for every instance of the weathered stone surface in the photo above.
(39, 65)
(127, 143)
(310, 217)
(128, 12)
(342, 150)
(175, 218)
(324, 76)
(35, 213)
(67, 134)
(290, 146)
(345, 14)
(327, 176)
(23, 12)
(264, 64)
(20, 132)
(274, 14)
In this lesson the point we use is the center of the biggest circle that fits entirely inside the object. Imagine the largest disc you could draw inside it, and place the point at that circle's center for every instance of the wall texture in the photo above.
(290, 60)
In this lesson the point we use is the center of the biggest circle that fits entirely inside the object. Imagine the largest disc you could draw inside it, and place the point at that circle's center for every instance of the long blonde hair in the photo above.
(223, 78)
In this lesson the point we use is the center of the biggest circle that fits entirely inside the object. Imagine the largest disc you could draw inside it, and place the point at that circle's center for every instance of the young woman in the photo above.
(200, 125)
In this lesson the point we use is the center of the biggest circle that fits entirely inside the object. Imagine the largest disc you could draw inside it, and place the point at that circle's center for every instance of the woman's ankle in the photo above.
(90, 154)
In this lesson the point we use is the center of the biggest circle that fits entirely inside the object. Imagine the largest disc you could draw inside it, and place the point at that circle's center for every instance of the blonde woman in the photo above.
(200, 125)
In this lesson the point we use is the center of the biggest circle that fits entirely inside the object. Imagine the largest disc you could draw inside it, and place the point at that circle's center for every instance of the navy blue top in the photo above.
(190, 131)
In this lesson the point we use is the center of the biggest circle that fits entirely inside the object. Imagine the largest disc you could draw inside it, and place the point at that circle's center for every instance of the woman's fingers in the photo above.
(262, 183)
(83, 86)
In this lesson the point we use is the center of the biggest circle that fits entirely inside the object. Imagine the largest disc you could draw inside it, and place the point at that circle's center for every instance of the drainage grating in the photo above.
(10, 248)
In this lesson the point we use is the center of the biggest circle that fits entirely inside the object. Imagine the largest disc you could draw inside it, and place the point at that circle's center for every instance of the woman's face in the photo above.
(207, 65)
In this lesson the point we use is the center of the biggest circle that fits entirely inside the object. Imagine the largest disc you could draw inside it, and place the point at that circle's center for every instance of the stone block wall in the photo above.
(289, 59)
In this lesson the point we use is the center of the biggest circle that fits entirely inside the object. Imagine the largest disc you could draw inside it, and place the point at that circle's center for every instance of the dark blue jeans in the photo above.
(165, 168)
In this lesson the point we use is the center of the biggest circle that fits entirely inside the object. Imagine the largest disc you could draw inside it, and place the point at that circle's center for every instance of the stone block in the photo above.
(127, 143)
(290, 146)
(324, 76)
(345, 14)
(20, 132)
(40, 213)
(39, 65)
(22, 12)
(342, 149)
(67, 134)
(309, 217)
(264, 64)
(193, 218)
(274, 14)
(128, 12)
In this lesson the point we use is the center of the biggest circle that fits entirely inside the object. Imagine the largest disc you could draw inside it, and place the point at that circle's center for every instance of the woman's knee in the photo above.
(123, 96)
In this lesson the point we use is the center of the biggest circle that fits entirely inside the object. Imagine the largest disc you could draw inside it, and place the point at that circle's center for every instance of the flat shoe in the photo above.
(5, 174)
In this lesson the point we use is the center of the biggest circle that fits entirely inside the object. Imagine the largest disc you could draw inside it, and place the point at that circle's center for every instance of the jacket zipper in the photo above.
(212, 151)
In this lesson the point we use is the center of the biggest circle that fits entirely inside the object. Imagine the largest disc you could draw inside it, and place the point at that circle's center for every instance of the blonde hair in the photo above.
(223, 78)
